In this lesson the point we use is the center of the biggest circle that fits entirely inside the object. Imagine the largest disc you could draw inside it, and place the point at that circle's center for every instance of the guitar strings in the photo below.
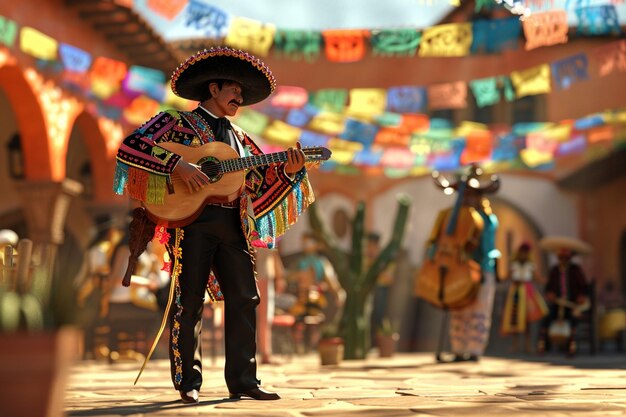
(213, 169)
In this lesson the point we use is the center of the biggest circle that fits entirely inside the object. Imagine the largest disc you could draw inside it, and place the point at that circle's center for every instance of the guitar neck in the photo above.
(247, 162)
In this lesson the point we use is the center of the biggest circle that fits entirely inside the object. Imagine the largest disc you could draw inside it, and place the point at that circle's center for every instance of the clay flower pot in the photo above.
(331, 350)
(387, 344)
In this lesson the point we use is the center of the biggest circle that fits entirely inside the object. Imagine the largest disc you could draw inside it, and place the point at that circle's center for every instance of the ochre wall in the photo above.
(604, 222)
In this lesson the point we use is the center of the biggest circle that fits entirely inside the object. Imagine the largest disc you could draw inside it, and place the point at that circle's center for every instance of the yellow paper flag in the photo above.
(534, 158)
(450, 39)
(329, 123)
(281, 133)
(37, 44)
(250, 35)
(343, 156)
(559, 133)
(349, 145)
(367, 102)
(532, 81)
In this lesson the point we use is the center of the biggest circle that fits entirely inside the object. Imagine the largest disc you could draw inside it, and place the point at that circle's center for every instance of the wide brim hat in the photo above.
(190, 79)
(558, 243)
(473, 179)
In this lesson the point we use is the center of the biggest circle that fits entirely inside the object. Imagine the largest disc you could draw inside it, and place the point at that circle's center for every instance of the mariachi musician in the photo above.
(458, 273)
(153, 167)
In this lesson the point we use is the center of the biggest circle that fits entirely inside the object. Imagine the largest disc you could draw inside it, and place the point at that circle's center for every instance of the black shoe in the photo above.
(188, 399)
(256, 393)
(465, 357)
(571, 349)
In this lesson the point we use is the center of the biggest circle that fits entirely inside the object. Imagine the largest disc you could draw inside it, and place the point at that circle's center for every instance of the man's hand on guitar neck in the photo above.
(191, 175)
(295, 159)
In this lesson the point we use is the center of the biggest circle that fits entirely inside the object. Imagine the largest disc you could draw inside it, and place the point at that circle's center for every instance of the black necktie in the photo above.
(222, 125)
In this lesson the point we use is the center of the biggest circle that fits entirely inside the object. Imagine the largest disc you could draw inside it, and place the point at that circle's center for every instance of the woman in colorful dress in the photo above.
(524, 304)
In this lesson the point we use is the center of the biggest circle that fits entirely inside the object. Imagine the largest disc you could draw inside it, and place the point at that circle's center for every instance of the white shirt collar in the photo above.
(231, 135)
(210, 114)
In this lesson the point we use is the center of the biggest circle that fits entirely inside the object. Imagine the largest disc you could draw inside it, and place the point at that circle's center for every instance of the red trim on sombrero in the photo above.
(223, 51)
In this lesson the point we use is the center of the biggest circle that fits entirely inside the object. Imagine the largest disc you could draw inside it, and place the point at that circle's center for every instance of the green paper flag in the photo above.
(333, 100)
(8, 31)
(395, 42)
(485, 91)
(296, 44)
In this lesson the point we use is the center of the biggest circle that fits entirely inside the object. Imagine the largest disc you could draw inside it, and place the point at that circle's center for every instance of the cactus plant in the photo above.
(358, 280)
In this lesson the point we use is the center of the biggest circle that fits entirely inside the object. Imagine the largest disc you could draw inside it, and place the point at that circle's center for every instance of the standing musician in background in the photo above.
(215, 251)
(461, 254)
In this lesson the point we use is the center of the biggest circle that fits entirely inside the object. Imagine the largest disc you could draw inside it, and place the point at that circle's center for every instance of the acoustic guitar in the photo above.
(226, 172)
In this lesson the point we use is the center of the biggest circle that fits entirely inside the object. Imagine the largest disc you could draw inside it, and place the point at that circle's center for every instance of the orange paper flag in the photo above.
(611, 58)
(447, 96)
(168, 9)
(545, 29)
(478, 147)
(345, 45)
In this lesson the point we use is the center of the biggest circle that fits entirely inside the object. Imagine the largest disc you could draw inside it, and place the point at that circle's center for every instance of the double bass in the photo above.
(449, 278)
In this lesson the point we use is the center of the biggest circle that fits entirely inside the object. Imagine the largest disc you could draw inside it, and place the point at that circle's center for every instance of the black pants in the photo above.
(215, 241)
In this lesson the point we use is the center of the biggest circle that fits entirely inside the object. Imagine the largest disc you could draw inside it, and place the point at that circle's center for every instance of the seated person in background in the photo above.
(132, 312)
(566, 296)
(319, 291)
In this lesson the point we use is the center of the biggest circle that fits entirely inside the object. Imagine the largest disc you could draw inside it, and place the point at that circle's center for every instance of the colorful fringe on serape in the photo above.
(140, 184)
(275, 222)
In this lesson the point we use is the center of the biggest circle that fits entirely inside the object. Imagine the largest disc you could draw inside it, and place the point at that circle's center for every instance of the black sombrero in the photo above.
(190, 78)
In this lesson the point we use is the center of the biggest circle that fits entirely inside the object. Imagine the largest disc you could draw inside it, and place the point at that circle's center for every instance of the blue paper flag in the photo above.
(367, 157)
(406, 99)
(570, 70)
(147, 81)
(202, 20)
(598, 20)
(358, 131)
(494, 36)
(309, 138)
(302, 116)
(74, 59)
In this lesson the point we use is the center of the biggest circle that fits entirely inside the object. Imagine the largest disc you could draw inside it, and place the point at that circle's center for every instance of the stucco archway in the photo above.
(30, 122)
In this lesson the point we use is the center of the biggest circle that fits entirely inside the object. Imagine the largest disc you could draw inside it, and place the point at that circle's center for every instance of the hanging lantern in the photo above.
(86, 179)
(16, 158)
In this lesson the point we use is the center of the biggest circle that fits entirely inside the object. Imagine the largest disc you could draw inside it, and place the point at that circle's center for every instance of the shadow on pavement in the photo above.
(143, 408)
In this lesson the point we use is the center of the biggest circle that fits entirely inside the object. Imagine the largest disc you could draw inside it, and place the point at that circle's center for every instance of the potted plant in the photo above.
(330, 347)
(36, 345)
(386, 339)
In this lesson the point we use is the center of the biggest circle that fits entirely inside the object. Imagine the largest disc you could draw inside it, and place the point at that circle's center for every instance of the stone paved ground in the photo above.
(406, 385)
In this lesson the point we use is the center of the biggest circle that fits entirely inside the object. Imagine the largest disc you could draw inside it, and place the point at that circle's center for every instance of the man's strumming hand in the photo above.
(191, 175)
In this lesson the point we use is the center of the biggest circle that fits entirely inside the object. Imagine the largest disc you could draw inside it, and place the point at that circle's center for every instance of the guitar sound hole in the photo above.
(212, 170)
